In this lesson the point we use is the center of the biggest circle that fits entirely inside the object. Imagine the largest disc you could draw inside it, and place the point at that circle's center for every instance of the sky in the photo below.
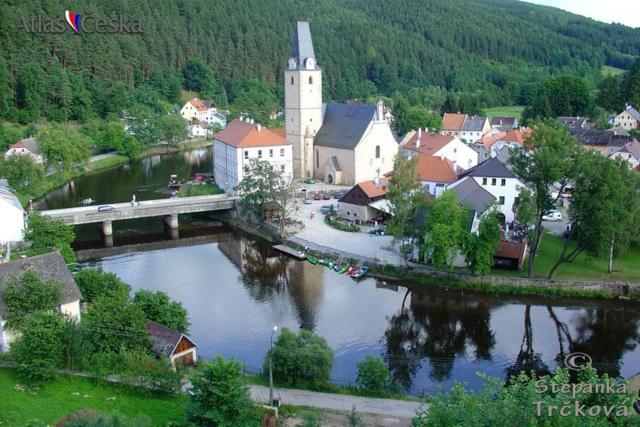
(622, 11)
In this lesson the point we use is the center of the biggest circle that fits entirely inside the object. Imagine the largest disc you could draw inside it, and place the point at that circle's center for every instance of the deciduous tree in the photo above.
(29, 294)
(157, 306)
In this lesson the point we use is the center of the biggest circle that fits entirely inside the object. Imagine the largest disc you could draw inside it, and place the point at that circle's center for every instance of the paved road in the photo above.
(402, 409)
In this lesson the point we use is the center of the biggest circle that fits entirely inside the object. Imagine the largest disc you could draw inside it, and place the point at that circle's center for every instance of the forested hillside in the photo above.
(493, 50)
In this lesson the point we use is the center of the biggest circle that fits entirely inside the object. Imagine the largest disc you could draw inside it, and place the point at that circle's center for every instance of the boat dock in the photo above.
(290, 251)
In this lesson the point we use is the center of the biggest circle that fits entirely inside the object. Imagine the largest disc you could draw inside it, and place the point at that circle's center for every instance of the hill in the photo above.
(491, 49)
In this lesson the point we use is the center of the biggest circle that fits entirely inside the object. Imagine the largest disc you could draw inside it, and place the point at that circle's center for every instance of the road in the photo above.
(403, 410)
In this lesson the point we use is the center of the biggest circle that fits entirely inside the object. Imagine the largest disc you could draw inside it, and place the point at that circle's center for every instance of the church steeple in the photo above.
(302, 100)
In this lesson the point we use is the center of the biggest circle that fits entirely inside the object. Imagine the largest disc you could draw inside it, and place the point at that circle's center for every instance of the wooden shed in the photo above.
(176, 346)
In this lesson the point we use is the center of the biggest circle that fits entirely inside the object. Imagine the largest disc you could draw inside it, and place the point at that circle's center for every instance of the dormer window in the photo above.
(292, 64)
(310, 63)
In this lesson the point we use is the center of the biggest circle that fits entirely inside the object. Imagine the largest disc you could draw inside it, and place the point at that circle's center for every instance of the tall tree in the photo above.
(560, 96)
(550, 162)
(446, 227)
(631, 85)
(257, 187)
(610, 94)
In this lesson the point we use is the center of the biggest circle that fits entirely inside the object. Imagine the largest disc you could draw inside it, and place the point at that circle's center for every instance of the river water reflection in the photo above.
(236, 288)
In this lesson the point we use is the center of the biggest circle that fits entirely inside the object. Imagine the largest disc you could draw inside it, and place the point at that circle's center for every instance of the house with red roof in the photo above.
(240, 142)
(435, 173)
(26, 147)
(450, 147)
(197, 110)
(362, 202)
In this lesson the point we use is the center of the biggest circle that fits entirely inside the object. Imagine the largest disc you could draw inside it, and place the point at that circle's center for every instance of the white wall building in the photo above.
(199, 130)
(26, 147)
(49, 267)
(628, 119)
(493, 176)
(242, 141)
(196, 110)
(11, 215)
(446, 146)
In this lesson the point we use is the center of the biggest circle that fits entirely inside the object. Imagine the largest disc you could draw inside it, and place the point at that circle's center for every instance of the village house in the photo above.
(495, 143)
(196, 110)
(335, 143)
(173, 345)
(450, 147)
(11, 215)
(628, 119)
(243, 140)
(604, 142)
(496, 178)
(359, 203)
(26, 147)
(471, 195)
(199, 130)
(575, 122)
(474, 128)
(435, 173)
(49, 267)
(629, 152)
(504, 123)
(452, 123)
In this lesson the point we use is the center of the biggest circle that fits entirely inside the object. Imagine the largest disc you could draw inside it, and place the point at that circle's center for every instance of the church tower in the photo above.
(302, 100)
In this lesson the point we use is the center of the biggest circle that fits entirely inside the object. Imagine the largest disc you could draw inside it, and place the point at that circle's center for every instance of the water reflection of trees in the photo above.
(440, 329)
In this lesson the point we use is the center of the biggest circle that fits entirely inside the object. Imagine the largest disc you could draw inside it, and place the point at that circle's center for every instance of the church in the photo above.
(334, 143)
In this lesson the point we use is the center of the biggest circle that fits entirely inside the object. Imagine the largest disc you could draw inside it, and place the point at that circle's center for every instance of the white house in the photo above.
(449, 147)
(242, 141)
(196, 110)
(11, 215)
(493, 176)
(496, 141)
(629, 152)
(336, 143)
(26, 147)
(474, 128)
(435, 173)
(628, 119)
(358, 204)
(50, 268)
(199, 130)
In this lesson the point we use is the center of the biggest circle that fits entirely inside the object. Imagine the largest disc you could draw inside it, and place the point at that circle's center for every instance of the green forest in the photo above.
(491, 52)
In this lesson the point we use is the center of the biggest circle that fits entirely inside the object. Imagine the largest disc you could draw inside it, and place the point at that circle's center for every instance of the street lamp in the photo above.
(275, 330)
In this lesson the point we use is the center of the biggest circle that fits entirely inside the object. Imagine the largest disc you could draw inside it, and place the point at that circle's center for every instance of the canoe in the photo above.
(343, 269)
(313, 260)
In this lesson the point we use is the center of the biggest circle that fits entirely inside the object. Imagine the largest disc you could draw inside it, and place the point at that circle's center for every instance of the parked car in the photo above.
(307, 201)
(325, 209)
(317, 196)
(309, 181)
(106, 208)
(338, 195)
(326, 196)
(552, 215)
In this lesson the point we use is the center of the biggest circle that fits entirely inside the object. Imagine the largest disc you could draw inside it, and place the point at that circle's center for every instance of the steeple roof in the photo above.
(302, 48)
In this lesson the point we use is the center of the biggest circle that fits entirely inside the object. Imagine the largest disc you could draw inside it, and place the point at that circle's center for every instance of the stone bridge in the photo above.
(165, 208)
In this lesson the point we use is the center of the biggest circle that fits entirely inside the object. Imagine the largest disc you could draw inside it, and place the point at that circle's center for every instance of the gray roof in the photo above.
(30, 144)
(49, 267)
(634, 113)
(573, 122)
(302, 47)
(7, 195)
(164, 340)
(490, 168)
(504, 121)
(335, 164)
(473, 124)
(343, 125)
(472, 194)
(632, 148)
(600, 137)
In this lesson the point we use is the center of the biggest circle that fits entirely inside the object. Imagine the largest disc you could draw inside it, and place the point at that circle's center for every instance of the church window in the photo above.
(377, 151)
(310, 80)
(317, 159)
(291, 79)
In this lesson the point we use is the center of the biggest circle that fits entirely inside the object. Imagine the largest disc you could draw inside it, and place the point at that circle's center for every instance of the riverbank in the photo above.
(58, 179)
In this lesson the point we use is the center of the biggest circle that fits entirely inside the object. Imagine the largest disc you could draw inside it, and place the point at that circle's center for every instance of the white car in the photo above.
(552, 216)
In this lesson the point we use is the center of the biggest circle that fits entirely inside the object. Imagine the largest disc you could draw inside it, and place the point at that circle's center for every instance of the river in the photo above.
(236, 288)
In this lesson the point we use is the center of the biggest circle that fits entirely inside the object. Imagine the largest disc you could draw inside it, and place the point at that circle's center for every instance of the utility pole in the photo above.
(611, 255)
(275, 330)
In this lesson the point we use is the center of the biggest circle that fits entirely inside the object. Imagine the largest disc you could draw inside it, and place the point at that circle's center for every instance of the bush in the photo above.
(157, 306)
(373, 377)
(517, 403)
(29, 294)
(39, 351)
(47, 235)
(145, 372)
(219, 396)
(340, 226)
(303, 360)
(93, 283)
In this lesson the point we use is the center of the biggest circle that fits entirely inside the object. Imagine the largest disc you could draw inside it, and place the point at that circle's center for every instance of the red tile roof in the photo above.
(512, 250)
(453, 121)
(489, 140)
(239, 133)
(435, 169)
(517, 135)
(373, 189)
(429, 142)
(198, 104)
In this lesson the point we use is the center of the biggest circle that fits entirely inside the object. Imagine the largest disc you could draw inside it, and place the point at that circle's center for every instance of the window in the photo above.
(503, 182)
(282, 152)
(493, 180)
(246, 169)
(501, 200)
(260, 155)
(281, 168)
(270, 152)
(377, 151)
(291, 79)
(484, 181)
(455, 150)
(310, 80)
(317, 159)
(246, 154)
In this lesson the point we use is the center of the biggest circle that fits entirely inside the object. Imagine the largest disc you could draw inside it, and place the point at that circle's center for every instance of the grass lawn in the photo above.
(507, 111)
(608, 70)
(187, 190)
(60, 397)
(625, 268)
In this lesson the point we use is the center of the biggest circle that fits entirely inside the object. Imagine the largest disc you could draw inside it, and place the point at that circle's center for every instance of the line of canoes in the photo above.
(353, 271)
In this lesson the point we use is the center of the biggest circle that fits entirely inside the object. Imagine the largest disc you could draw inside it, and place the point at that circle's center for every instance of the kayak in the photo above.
(343, 269)
(360, 271)
(313, 260)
